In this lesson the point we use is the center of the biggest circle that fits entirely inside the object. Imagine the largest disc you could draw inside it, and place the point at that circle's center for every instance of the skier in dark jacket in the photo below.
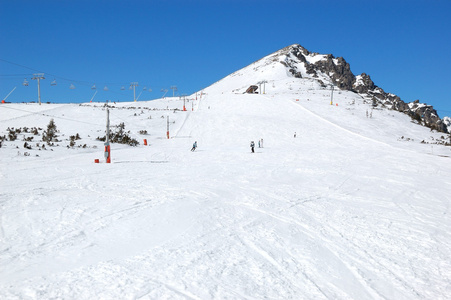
(194, 146)
(252, 146)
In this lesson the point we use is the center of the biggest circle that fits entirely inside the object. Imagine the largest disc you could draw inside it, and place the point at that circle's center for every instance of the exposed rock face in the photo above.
(428, 115)
(339, 72)
(447, 123)
(338, 69)
(363, 84)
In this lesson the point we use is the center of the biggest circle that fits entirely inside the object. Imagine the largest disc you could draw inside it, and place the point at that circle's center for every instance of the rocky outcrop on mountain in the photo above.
(363, 84)
(447, 123)
(338, 71)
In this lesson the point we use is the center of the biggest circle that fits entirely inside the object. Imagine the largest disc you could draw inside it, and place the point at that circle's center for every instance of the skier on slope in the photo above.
(194, 146)
(252, 146)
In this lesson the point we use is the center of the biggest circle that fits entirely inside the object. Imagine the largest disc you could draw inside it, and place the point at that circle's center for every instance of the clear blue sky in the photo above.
(405, 46)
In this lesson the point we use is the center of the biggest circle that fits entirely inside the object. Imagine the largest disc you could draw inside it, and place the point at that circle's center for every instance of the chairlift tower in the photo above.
(173, 88)
(259, 87)
(38, 77)
(134, 85)
(264, 86)
(332, 95)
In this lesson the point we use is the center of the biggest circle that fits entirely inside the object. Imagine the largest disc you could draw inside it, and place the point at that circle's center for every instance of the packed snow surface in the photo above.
(353, 207)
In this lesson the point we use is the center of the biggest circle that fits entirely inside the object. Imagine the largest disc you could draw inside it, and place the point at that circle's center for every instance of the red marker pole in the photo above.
(107, 140)
(167, 132)
(107, 153)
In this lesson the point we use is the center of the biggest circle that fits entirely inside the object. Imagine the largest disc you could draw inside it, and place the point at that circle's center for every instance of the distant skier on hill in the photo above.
(194, 146)
(252, 146)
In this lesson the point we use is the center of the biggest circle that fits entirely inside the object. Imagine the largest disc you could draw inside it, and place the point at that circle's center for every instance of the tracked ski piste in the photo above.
(344, 210)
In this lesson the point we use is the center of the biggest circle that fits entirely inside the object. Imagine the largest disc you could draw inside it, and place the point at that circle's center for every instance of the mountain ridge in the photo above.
(341, 76)
(329, 71)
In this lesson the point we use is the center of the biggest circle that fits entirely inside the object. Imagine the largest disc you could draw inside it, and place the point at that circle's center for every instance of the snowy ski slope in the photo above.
(352, 208)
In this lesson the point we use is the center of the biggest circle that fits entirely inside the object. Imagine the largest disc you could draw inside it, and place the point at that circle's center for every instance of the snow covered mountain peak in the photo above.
(320, 71)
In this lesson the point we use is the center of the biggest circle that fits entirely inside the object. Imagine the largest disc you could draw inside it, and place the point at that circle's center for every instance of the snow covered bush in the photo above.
(49, 135)
(72, 140)
(12, 135)
(120, 136)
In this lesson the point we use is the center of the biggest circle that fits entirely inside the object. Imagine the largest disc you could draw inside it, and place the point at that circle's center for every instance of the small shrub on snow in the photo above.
(12, 135)
(120, 136)
(49, 135)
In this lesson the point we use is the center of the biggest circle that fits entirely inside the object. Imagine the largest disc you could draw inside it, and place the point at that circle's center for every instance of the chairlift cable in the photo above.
(9, 93)
(52, 116)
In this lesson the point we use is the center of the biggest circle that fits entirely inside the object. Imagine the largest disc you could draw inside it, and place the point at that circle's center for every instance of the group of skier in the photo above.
(260, 144)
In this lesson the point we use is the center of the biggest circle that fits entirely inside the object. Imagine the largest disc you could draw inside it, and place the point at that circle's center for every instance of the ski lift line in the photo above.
(9, 62)
(52, 116)
(81, 82)
(14, 75)
(39, 71)
(72, 81)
